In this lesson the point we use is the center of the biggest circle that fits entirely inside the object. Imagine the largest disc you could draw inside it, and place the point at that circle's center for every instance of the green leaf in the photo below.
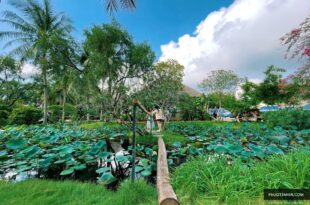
(106, 178)
(234, 148)
(148, 151)
(80, 167)
(177, 144)
(146, 173)
(3, 154)
(257, 150)
(66, 150)
(24, 168)
(138, 169)
(84, 147)
(183, 150)
(220, 149)
(31, 151)
(144, 162)
(121, 158)
(16, 143)
(104, 154)
(67, 172)
(273, 149)
(97, 147)
(102, 170)
(282, 139)
(45, 163)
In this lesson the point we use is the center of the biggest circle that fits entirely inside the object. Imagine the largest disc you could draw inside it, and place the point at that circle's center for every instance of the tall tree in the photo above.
(117, 61)
(34, 26)
(297, 42)
(268, 90)
(10, 75)
(162, 85)
(221, 82)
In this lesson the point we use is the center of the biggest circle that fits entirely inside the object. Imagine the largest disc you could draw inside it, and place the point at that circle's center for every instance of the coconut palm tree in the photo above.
(34, 29)
(113, 5)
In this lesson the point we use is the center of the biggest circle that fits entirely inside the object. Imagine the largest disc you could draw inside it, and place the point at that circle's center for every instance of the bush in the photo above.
(56, 112)
(288, 119)
(25, 115)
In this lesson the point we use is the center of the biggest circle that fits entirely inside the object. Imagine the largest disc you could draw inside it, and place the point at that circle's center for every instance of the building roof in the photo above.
(190, 91)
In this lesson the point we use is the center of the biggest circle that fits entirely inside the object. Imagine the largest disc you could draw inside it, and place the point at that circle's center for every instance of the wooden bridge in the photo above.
(166, 195)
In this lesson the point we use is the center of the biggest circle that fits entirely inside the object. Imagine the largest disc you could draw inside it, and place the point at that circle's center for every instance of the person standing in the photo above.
(159, 117)
(149, 122)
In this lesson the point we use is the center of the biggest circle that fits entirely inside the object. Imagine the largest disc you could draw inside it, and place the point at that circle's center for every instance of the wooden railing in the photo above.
(166, 195)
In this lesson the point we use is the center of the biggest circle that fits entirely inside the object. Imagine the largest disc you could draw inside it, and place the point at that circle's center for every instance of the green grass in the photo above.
(200, 182)
(168, 136)
(216, 123)
(44, 192)
(97, 124)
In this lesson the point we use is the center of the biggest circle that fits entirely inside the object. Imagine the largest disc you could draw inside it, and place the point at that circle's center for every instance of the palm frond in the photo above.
(9, 15)
(17, 41)
(12, 34)
(113, 5)
(18, 26)
(128, 4)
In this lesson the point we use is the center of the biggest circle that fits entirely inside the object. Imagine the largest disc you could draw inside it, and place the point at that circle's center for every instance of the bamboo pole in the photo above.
(166, 195)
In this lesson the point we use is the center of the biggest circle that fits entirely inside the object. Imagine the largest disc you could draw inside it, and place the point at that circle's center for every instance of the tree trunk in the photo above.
(63, 106)
(101, 113)
(87, 107)
(45, 96)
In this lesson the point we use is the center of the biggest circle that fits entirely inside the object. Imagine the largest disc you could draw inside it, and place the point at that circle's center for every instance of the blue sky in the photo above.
(202, 35)
(156, 22)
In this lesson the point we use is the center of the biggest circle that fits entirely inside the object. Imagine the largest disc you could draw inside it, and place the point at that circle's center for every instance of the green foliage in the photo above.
(162, 85)
(220, 81)
(138, 193)
(39, 46)
(248, 142)
(288, 119)
(114, 58)
(3, 117)
(250, 95)
(73, 192)
(69, 152)
(268, 91)
(228, 101)
(25, 115)
(56, 112)
(193, 108)
(232, 183)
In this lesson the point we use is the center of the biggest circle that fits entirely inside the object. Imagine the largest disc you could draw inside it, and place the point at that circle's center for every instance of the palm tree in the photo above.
(34, 28)
(113, 5)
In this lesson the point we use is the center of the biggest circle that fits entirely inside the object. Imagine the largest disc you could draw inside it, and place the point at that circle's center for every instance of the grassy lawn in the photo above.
(44, 192)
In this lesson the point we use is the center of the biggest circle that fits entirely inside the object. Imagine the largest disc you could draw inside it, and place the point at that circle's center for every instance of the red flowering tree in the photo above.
(298, 46)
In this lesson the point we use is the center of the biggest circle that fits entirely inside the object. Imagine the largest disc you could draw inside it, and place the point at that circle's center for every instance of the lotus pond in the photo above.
(74, 152)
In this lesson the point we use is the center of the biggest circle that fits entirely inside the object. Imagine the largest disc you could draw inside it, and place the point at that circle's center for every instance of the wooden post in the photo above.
(133, 171)
(166, 195)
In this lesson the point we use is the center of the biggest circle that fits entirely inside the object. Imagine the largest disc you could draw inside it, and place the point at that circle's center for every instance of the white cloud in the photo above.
(243, 37)
(29, 70)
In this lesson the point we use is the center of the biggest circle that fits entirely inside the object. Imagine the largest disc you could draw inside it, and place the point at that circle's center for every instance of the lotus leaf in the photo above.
(273, 149)
(102, 170)
(106, 178)
(67, 171)
(16, 143)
